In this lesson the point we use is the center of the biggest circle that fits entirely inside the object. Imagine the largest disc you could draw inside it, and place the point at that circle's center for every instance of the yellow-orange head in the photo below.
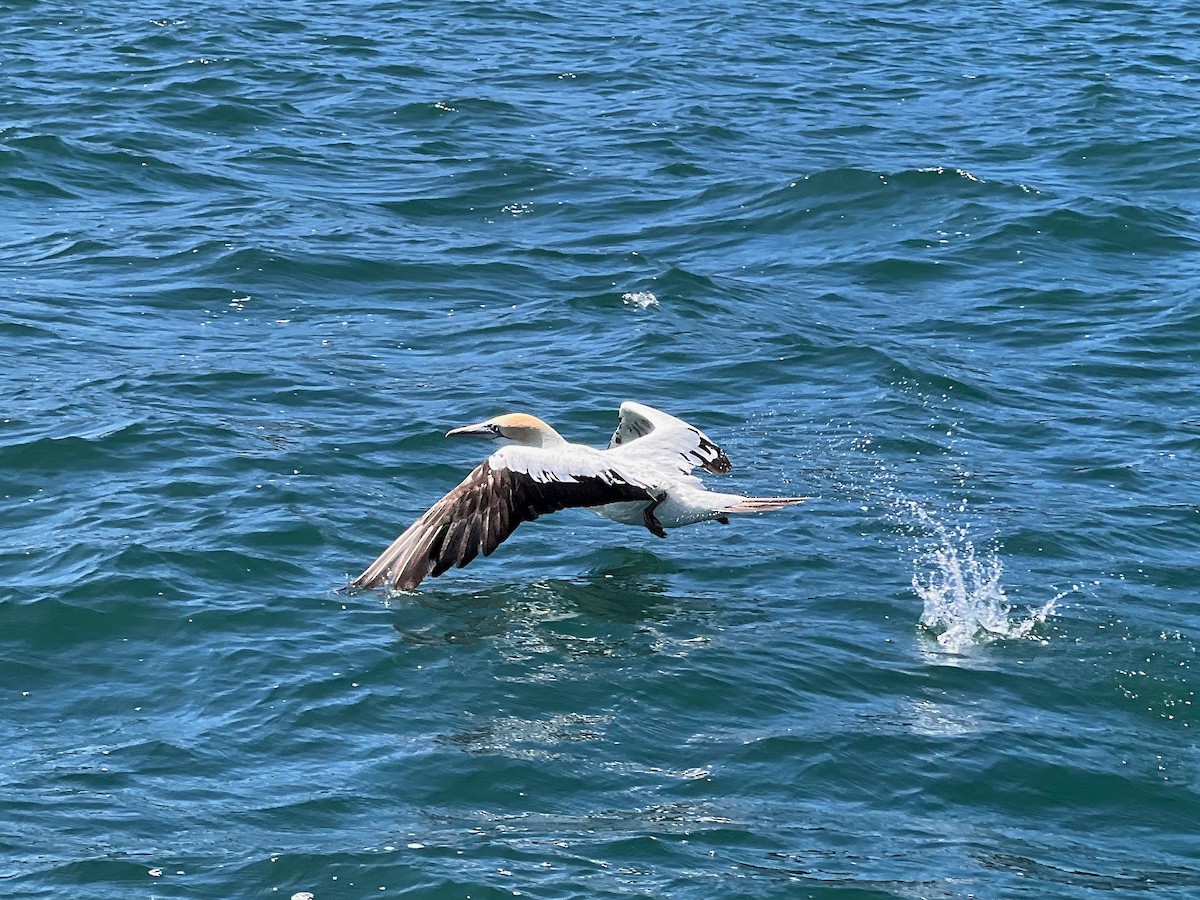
(520, 428)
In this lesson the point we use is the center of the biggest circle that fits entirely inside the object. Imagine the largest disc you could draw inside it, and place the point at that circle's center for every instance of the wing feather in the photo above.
(647, 432)
(515, 485)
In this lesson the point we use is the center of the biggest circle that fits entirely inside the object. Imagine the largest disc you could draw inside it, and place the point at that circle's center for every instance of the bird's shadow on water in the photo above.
(622, 587)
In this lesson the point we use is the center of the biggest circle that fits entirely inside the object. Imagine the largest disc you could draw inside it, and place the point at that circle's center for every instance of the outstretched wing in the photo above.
(514, 485)
(655, 434)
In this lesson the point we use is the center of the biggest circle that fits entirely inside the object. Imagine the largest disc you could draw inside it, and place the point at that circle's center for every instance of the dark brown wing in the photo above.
(479, 514)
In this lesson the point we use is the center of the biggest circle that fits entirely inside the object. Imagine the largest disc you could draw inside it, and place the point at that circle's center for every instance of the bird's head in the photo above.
(519, 428)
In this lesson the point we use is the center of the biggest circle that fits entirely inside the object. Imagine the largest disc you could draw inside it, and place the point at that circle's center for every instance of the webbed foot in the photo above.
(651, 521)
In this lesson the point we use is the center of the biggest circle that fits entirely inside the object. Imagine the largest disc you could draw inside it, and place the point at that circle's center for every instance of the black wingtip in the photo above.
(719, 466)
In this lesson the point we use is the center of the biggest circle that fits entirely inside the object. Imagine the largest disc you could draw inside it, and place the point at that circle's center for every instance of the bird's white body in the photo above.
(644, 478)
(684, 505)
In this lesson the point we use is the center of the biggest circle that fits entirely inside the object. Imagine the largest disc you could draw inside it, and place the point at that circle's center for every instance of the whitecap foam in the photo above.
(640, 299)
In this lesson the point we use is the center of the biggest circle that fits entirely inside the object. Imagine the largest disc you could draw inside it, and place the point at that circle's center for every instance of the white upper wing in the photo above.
(569, 464)
(652, 434)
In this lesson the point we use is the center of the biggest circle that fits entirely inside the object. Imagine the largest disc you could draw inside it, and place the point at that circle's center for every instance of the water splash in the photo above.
(964, 599)
(960, 584)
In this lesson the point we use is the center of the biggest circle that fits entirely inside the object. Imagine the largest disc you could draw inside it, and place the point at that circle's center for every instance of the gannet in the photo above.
(644, 478)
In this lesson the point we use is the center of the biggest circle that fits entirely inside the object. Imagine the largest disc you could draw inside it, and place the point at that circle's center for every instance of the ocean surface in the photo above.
(937, 267)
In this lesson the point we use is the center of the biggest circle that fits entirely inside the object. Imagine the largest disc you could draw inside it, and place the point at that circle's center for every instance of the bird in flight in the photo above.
(644, 478)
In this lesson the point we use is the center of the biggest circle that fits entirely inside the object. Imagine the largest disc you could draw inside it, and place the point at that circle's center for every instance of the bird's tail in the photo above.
(761, 504)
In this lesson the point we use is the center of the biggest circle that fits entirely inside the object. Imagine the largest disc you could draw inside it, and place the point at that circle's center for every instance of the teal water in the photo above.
(937, 268)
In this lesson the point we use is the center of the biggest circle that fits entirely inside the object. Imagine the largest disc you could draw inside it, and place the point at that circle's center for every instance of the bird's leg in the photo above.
(652, 524)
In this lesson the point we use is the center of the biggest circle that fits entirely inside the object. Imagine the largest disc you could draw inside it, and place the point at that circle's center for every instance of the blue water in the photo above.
(936, 267)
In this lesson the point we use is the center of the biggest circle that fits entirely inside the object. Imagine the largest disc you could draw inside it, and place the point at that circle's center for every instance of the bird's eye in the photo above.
(494, 429)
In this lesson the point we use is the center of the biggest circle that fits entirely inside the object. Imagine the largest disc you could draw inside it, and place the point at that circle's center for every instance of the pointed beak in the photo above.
(480, 430)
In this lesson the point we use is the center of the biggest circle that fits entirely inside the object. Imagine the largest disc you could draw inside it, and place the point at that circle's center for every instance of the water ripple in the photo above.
(935, 269)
